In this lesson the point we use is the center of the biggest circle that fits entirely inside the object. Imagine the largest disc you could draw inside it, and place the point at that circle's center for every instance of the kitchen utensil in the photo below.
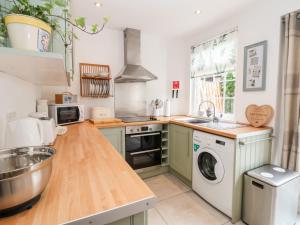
(49, 130)
(167, 108)
(38, 115)
(42, 106)
(259, 115)
(24, 174)
(24, 132)
(61, 130)
(157, 103)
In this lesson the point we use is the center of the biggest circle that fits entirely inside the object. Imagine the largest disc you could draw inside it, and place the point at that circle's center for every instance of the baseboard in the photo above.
(182, 178)
(152, 171)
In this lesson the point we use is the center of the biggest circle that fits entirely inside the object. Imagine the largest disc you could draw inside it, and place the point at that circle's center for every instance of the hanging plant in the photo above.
(44, 20)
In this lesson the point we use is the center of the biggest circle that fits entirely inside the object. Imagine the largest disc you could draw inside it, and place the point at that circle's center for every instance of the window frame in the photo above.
(193, 108)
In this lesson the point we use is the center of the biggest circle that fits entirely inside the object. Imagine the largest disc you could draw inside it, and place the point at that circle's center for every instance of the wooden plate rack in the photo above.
(95, 80)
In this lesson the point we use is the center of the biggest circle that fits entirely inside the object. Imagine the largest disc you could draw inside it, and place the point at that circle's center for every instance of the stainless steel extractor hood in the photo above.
(133, 71)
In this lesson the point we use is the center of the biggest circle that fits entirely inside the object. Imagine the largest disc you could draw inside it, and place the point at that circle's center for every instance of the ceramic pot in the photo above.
(27, 32)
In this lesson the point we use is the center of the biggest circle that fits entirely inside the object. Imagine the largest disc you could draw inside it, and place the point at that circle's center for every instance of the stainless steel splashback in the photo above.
(130, 99)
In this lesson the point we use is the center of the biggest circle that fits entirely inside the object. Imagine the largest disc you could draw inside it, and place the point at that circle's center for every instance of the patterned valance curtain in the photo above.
(215, 56)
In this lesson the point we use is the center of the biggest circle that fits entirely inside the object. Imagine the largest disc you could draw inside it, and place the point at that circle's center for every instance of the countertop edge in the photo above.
(229, 133)
(254, 133)
(115, 214)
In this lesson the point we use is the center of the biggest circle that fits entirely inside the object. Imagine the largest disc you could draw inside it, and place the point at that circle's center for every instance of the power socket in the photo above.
(11, 116)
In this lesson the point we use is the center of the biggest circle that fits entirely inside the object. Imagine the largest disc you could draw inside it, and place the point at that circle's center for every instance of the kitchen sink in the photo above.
(210, 124)
(194, 121)
(221, 125)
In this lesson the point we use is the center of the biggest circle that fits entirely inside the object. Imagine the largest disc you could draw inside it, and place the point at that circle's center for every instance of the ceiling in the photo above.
(163, 17)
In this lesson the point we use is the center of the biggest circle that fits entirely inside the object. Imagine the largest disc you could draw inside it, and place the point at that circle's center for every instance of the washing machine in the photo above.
(213, 169)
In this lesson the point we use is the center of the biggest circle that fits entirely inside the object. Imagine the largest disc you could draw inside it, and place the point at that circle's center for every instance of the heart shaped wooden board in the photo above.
(259, 115)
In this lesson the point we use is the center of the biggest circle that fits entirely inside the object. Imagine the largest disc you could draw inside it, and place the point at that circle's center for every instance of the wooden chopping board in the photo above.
(259, 115)
(105, 120)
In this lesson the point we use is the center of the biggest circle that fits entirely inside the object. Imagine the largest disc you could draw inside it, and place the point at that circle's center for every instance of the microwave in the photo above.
(66, 113)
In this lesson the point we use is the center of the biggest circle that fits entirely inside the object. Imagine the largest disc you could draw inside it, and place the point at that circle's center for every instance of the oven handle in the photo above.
(146, 151)
(143, 135)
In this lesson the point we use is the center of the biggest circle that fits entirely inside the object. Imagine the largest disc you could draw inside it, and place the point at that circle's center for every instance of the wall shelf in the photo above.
(40, 68)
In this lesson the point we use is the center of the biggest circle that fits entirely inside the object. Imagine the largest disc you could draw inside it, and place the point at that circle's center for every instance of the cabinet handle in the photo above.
(146, 151)
(261, 186)
(144, 135)
(188, 148)
(131, 220)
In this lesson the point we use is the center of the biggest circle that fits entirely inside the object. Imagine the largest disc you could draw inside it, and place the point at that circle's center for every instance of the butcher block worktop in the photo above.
(230, 133)
(90, 184)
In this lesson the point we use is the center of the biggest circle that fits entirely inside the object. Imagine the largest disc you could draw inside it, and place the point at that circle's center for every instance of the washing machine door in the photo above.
(210, 166)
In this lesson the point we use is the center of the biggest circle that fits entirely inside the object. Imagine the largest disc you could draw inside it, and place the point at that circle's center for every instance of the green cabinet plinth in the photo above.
(181, 155)
(116, 137)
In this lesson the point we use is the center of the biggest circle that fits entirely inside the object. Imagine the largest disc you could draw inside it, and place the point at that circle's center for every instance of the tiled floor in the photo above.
(179, 205)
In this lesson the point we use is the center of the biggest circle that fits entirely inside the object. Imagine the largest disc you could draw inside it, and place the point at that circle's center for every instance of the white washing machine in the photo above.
(213, 165)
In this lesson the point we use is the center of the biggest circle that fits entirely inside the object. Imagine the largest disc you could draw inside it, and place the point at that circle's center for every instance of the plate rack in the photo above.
(95, 80)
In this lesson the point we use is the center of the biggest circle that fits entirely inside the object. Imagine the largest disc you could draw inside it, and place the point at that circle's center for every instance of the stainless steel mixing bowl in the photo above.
(24, 174)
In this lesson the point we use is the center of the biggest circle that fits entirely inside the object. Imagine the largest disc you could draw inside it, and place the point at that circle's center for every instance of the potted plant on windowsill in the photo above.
(29, 26)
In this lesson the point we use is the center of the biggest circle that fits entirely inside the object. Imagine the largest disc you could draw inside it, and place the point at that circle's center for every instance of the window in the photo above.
(213, 75)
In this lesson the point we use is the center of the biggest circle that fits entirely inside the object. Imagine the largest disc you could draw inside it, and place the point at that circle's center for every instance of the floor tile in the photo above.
(166, 186)
(154, 218)
(189, 209)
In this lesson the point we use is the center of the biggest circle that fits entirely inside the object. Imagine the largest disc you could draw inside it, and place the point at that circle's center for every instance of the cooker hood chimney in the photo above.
(133, 71)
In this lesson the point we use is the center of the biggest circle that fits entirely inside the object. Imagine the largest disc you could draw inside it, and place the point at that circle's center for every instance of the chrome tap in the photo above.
(208, 111)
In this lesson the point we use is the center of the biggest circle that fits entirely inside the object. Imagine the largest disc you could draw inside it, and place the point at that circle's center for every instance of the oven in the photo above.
(143, 145)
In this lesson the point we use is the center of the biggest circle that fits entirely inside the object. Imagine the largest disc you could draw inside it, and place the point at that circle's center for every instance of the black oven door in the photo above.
(143, 150)
(144, 141)
(67, 115)
(143, 159)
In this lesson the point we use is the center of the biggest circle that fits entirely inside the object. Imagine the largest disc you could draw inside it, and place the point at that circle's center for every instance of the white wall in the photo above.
(154, 58)
(178, 64)
(17, 96)
(260, 21)
(107, 48)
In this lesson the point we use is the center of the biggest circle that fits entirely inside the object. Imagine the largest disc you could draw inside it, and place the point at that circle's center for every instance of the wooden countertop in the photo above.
(89, 177)
(230, 133)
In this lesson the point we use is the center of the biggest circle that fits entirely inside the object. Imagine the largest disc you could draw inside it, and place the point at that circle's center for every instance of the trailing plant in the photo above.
(45, 12)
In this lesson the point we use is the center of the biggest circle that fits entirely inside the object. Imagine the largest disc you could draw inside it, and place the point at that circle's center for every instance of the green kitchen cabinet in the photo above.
(138, 219)
(125, 221)
(116, 136)
(181, 154)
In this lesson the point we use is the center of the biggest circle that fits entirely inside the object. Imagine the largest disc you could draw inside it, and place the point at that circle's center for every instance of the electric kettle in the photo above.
(24, 132)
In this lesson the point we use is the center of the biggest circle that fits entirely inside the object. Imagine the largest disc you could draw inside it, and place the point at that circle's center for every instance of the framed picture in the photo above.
(255, 63)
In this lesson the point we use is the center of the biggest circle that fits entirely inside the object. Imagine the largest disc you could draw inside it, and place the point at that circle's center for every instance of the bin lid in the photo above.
(273, 175)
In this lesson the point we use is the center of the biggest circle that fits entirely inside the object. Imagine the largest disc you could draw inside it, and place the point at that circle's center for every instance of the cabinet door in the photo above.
(125, 221)
(181, 150)
(138, 219)
(116, 136)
